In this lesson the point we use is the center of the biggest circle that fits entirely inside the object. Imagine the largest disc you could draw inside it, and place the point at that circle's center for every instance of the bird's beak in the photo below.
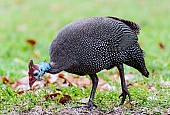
(37, 77)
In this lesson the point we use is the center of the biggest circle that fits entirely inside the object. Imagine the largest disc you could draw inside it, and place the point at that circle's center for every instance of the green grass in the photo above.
(41, 20)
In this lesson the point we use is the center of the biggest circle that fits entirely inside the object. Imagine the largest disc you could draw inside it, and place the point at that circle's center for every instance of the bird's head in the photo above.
(37, 70)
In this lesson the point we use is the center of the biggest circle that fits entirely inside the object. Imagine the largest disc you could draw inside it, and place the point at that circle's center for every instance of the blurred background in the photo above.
(27, 27)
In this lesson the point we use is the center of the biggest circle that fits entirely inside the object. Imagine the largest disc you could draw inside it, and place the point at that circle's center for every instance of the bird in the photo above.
(89, 45)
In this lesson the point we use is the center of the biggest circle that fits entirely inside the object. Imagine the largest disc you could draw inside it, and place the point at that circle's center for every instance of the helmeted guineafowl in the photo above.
(89, 45)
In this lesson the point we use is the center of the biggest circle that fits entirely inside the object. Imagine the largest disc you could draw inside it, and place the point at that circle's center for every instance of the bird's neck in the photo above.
(43, 67)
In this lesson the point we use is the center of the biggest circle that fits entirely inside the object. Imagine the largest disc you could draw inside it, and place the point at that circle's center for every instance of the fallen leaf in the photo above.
(106, 87)
(51, 78)
(161, 46)
(31, 41)
(65, 99)
(115, 77)
(5, 80)
(50, 96)
(128, 104)
(38, 84)
(20, 92)
(22, 84)
(101, 81)
(133, 84)
(136, 83)
(56, 79)
(61, 75)
(82, 80)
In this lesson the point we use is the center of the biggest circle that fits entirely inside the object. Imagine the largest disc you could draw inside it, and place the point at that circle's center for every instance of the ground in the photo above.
(28, 27)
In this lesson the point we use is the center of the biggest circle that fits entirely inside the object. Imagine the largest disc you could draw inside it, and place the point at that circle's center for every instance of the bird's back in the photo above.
(89, 45)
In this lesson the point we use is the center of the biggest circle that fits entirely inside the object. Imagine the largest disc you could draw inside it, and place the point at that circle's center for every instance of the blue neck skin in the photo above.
(43, 67)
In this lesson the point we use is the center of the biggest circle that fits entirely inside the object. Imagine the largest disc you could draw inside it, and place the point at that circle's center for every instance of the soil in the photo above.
(38, 110)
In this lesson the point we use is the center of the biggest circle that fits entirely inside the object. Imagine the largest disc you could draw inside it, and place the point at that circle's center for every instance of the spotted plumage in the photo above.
(89, 45)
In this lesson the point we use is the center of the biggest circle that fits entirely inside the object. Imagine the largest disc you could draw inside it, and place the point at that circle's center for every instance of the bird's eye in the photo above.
(36, 73)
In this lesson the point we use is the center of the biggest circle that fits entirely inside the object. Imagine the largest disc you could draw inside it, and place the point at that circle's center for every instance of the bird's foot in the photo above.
(123, 95)
(91, 105)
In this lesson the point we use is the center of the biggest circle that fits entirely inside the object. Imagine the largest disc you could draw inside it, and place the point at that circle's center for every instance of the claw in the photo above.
(120, 95)
(123, 95)
(91, 105)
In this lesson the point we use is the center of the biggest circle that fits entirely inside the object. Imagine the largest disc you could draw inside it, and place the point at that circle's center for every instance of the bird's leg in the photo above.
(91, 104)
(125, 91)
(94, 86)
